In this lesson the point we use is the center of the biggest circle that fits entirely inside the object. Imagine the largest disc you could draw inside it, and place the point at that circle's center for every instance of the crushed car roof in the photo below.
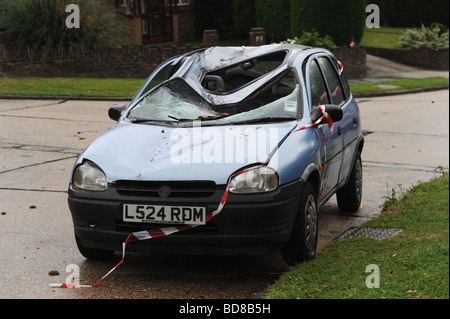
(201, 63)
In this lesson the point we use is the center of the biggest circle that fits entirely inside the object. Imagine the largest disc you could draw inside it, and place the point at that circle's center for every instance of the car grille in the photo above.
(169, 189)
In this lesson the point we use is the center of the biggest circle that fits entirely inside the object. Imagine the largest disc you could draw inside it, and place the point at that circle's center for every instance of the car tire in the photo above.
(350, 195)
(93, 253)
(302, 244)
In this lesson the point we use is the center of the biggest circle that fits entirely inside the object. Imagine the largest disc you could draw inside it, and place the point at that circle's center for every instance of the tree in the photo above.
(41, 25)
(412, 13)
(243, 17)
(343, 20)
(274, 16)
(217, 14)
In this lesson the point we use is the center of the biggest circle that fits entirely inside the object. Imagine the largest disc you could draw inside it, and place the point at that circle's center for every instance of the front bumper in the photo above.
(248, 223)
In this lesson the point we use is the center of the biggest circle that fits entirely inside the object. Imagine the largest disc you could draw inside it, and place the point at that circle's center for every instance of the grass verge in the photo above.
(400, 85)
(413, 264)
(73, 87)
(91, 87)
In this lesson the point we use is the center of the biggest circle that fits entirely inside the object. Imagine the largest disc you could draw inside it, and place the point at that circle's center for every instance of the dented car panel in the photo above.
(198, 120)
(158, 157)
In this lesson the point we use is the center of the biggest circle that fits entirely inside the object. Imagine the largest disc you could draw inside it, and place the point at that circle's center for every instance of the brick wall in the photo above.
(422, 58)
(354, 61)
(135, 61)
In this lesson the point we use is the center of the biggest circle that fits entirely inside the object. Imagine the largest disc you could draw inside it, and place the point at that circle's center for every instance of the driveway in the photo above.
(407, 139)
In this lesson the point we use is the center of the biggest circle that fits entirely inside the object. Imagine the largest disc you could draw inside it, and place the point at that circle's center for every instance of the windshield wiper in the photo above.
(200, 118)
(142, 120)
(180, 120)
(266, 120)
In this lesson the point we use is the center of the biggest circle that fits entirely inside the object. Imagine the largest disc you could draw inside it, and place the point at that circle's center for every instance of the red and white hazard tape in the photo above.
(161, 232)
(68, 285)
(327, 117)
(341, 67)
(324, 116)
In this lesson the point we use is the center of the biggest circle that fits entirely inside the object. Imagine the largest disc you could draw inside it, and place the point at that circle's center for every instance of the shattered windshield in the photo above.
(176, 102)
(171, 102)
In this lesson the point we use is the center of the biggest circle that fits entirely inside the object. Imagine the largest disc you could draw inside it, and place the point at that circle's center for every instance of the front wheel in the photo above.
(302, 244)
(349, 196)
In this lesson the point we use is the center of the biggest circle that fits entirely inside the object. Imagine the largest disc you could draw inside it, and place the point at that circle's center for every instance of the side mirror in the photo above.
(115, 111)
(334, 111)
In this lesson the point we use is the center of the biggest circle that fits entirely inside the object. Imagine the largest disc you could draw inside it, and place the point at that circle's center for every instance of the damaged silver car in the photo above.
(242, 144)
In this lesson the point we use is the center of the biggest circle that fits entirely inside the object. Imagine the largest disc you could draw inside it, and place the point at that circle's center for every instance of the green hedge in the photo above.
(412, 13)
(217, 14)
(243, 17)
(274, 16)
(343, 20)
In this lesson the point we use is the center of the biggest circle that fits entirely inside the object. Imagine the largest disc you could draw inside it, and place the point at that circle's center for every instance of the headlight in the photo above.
(255, 180)
(90, 177)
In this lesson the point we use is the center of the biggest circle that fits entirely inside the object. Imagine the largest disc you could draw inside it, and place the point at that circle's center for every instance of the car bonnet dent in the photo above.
(148, 152)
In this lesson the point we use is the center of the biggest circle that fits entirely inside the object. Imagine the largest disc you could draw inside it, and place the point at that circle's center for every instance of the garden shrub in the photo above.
(41, 25)
(434, 37)
(313, 39)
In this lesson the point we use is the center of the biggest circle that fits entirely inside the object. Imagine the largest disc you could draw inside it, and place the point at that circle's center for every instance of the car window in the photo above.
(173, 100)
(343, 78)
(164, 74)
(337, 94)
(319, 93)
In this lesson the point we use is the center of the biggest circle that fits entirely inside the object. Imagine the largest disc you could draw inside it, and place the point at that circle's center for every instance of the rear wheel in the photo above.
(92, 253)
(349, 197)
(302, 244)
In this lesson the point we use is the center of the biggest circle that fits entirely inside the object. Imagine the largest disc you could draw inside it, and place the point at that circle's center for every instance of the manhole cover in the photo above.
(375, 233)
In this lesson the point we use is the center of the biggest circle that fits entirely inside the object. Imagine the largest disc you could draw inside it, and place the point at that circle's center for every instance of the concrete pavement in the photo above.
(379, 69)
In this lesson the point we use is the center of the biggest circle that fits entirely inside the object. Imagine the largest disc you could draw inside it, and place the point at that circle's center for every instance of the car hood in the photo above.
(152, 152)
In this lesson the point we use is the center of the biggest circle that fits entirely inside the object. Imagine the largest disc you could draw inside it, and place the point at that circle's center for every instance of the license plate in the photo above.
(164, 214)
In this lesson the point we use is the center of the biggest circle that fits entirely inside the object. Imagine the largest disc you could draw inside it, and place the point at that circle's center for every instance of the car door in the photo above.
(332, 158)
(340, 95)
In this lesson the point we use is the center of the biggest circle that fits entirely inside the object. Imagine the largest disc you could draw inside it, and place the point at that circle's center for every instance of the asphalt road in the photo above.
(407, 140)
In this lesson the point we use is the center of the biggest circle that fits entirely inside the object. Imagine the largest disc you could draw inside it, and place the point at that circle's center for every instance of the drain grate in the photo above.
(375, 233)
